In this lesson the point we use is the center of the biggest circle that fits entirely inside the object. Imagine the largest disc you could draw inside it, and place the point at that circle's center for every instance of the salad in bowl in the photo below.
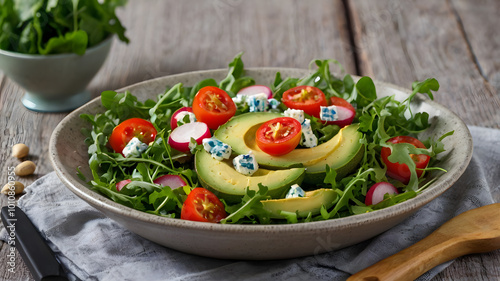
(301, 149)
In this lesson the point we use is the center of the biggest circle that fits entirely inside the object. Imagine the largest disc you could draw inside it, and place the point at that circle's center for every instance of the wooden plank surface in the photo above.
(404, 41)
(480, 22)
(408, 40)
(393, 41)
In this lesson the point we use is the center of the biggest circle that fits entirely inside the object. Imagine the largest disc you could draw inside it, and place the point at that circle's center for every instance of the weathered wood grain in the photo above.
(480, 22)
(169, 37)
(395, 41)
(198, 35)
(404, 41)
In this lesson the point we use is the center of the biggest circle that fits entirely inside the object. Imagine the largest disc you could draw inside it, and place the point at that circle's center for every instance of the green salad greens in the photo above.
(57, 26)
(379, 119)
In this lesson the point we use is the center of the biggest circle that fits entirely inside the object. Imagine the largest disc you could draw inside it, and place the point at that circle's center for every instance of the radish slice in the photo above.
(376, 193)
(255, 90)
(121, 184)
(172, 181)
(180, 137)
(179, 115)
(345, 116)
(345, 111)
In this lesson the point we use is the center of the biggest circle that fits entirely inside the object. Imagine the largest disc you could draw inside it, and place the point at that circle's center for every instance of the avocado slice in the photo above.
(343, 160)
(245, 126)
(310, 203)
(224, 181)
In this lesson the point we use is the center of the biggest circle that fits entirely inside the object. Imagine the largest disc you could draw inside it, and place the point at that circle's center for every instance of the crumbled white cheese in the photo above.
(134, 148)
(328, 113)
(308, 138)
(238, 99)
(298, 114)
(257, 103)
(273, 103)
(179, 118)
(216, 148)
(295, 191)
(245, 164)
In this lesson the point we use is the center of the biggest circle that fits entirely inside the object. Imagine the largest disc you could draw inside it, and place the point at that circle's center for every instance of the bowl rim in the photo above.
(445, 180)
(90, 50)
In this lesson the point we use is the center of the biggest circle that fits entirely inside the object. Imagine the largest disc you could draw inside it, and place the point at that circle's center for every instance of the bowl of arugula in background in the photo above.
(53, 49)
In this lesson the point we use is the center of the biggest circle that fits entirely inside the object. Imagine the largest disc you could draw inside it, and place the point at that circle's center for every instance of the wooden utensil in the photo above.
(474, 231)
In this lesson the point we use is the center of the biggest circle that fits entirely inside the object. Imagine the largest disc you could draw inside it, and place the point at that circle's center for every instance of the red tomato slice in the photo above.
(213, 106)
(202, 205)
(279, 136)
(345, 104)
(399, 171)
(307, 98)
(128, 129)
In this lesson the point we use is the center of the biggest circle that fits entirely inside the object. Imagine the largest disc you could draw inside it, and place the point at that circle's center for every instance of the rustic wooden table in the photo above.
(455, 41)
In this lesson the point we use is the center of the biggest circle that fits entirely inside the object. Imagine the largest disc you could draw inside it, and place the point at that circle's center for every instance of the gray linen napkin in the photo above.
(93, 247)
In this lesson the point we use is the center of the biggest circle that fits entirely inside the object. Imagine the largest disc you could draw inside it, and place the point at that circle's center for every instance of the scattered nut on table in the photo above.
(25, 168)
(15, 186)
(20, 150)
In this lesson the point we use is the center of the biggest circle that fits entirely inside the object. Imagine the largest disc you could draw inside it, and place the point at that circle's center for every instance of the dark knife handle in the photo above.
(35, 252)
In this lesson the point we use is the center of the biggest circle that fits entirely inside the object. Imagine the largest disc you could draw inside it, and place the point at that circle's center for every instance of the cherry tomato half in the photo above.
(346, 118)
(279, 136)
(213, 106)
(202, 205)
(307, 98)
(128, 129)
(400, 171)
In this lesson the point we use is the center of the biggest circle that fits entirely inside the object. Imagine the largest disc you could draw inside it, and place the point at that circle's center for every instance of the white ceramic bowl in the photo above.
(55, 83)
(255, 242)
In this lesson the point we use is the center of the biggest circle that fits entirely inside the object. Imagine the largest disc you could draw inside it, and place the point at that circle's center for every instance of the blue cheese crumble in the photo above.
(239, 99)
(328, 113)
(245, 164)
(216, 148)
(257, 103)
(273, 103)
(295, 191)
(298, 114)
(134, 148)
(308, 138)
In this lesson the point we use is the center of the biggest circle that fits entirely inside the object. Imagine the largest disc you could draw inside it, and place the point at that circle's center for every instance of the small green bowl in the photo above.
(55, 83)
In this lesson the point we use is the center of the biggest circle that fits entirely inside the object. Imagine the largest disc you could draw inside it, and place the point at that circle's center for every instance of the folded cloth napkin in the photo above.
(92, 247)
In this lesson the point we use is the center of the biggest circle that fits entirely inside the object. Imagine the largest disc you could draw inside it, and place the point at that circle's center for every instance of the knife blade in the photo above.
(37, 255)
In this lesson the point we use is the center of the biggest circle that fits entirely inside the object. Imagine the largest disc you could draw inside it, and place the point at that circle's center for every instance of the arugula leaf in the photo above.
(280, 86)
(165, 201)
(235, 80)
(365, 92)
(135, 202)
(72, 42)
(166, 105)
(250, 208)
(201, 84)
(426, 87)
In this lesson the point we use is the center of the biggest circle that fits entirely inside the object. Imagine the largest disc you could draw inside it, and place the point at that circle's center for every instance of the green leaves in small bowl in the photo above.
(57, 26)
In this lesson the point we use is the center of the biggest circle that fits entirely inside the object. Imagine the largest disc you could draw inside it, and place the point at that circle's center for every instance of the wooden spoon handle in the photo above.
(413, 261)
(474, 231)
